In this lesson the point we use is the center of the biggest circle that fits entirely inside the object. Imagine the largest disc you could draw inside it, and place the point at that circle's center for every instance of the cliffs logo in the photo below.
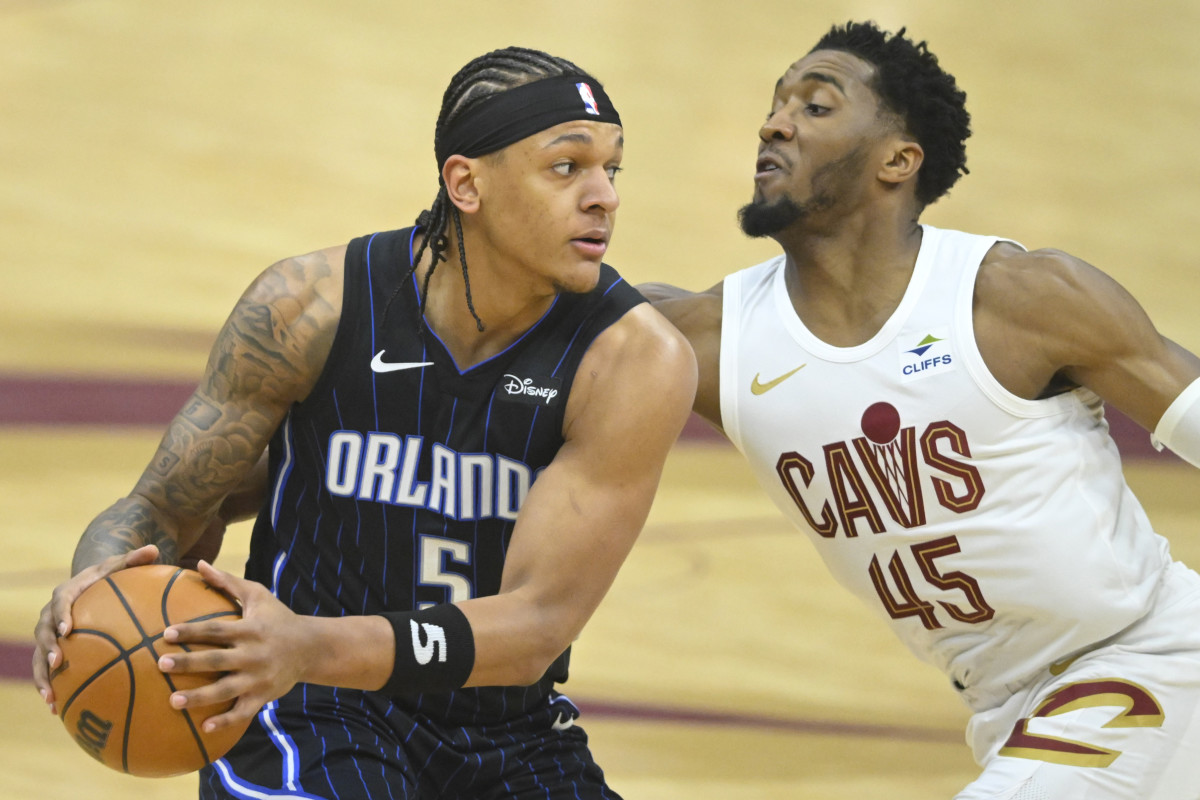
(929, 355)
(531, 391)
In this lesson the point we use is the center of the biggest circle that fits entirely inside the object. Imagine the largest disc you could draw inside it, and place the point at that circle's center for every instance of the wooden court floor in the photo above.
(154, 157)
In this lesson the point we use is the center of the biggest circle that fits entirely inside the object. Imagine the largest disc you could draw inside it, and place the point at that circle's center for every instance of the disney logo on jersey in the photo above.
(931, 356)
(531, 391)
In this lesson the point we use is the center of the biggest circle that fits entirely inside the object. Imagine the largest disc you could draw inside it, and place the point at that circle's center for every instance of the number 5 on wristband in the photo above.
(435, 650)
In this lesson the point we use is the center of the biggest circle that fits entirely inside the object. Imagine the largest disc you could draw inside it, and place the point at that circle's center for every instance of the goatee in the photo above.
(829, 183)
(759, 218)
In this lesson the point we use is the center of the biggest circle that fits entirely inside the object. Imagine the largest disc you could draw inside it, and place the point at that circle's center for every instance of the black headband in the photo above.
(516, 113)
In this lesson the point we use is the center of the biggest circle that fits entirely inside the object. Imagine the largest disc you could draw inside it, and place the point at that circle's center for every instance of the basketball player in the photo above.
(467, 422)
(928, 405)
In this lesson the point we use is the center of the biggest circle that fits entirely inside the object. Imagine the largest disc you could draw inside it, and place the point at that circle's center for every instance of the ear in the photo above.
(460, 174)
(903, 160)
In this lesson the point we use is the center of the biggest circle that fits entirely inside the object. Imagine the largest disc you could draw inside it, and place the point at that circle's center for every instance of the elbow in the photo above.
(541, 646)
(529, 668)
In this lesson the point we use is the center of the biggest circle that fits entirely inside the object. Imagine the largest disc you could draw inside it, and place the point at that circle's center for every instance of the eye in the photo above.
(815, 110)
(612, 172)
(564, 168)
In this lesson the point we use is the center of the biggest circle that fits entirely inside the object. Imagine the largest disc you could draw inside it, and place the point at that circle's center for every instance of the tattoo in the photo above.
(163, 460)
(265, 358)
(127, 525)
(201, 413)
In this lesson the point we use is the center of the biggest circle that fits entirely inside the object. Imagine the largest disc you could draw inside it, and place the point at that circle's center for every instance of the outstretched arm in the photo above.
(697, 315)
(1046, 319)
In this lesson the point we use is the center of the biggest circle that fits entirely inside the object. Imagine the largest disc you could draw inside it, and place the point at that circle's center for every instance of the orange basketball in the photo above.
(111, 695)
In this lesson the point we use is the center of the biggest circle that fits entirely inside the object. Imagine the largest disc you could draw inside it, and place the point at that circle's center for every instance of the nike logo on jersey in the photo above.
(379, 365)
(563, 722)
(1059, 667)
(757, 387)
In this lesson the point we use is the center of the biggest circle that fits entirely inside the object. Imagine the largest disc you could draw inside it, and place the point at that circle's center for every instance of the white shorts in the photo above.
(1121, 722)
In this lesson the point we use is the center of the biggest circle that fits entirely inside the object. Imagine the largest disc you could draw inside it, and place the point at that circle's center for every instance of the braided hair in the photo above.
(483, 77)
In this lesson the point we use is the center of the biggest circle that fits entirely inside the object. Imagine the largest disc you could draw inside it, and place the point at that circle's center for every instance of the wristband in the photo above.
(1179, 428)
(435, 650)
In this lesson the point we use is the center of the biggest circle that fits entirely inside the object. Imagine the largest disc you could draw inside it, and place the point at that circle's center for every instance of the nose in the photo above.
(778, 126)
(600, 192)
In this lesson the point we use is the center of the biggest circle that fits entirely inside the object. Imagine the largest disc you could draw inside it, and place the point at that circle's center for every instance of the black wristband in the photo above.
(435, 650)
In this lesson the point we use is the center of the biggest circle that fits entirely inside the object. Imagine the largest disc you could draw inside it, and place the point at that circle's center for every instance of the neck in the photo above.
(846, 282)
(508, 307)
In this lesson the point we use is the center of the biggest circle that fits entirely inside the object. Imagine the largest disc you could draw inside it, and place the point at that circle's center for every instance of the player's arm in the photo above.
(697, 315)
(267, 356)
(1045, 319)
(630, 400)
(241, 504)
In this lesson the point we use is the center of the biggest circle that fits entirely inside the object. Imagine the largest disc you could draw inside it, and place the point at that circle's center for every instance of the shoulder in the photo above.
(1029, 283)
(641, 361)
(293, 308)
(311, 276)
(642, 336)
(1046, 316)
(697, 316)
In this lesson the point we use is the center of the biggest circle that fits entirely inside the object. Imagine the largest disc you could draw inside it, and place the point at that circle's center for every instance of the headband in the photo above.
(512, 115)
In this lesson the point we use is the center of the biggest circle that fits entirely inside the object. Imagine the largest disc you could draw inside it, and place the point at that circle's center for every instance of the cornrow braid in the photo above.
(484, 77)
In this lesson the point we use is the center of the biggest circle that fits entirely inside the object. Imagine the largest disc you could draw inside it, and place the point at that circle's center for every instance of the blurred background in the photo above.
(154, 157)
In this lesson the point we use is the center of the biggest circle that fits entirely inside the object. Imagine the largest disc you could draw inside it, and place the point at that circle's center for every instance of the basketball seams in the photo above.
(166, 620)
(166, 594)
(149, 645)
(134, 604)
(123, 656)
(128, 717)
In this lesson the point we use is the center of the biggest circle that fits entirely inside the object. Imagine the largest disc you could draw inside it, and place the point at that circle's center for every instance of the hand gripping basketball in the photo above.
(112, 696)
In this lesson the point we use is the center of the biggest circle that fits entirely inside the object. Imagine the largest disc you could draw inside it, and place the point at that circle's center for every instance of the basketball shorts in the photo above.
(321, 742)
(1120, 722)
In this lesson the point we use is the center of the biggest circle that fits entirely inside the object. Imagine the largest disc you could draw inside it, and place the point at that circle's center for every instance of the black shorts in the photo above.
(319, 742)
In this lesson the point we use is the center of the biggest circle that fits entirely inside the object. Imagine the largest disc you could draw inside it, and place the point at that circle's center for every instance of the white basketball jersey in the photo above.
(996, 535)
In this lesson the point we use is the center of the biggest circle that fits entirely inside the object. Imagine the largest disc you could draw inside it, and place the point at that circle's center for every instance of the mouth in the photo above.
(768, 164)
(593, 243)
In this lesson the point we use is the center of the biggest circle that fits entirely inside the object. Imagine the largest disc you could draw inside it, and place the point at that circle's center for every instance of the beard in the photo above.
(760, 218)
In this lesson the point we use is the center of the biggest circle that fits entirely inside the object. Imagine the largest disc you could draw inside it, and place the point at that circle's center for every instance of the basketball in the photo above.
(112, 697)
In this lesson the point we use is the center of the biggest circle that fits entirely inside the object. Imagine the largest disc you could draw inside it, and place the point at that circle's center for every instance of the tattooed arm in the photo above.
(242, 503)
(267, 356)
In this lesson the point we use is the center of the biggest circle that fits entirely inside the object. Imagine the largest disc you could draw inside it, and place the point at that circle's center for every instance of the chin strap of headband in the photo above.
(1179, 428)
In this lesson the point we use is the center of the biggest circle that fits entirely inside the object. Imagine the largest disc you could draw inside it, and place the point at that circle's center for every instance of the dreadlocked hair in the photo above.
(911, 84)
(484, 77)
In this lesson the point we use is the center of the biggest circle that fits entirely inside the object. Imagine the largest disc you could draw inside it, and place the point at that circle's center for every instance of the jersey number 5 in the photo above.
(434, 553)
(909, 603)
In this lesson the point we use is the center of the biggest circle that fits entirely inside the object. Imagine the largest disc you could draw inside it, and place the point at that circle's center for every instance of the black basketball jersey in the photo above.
(396, 484)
